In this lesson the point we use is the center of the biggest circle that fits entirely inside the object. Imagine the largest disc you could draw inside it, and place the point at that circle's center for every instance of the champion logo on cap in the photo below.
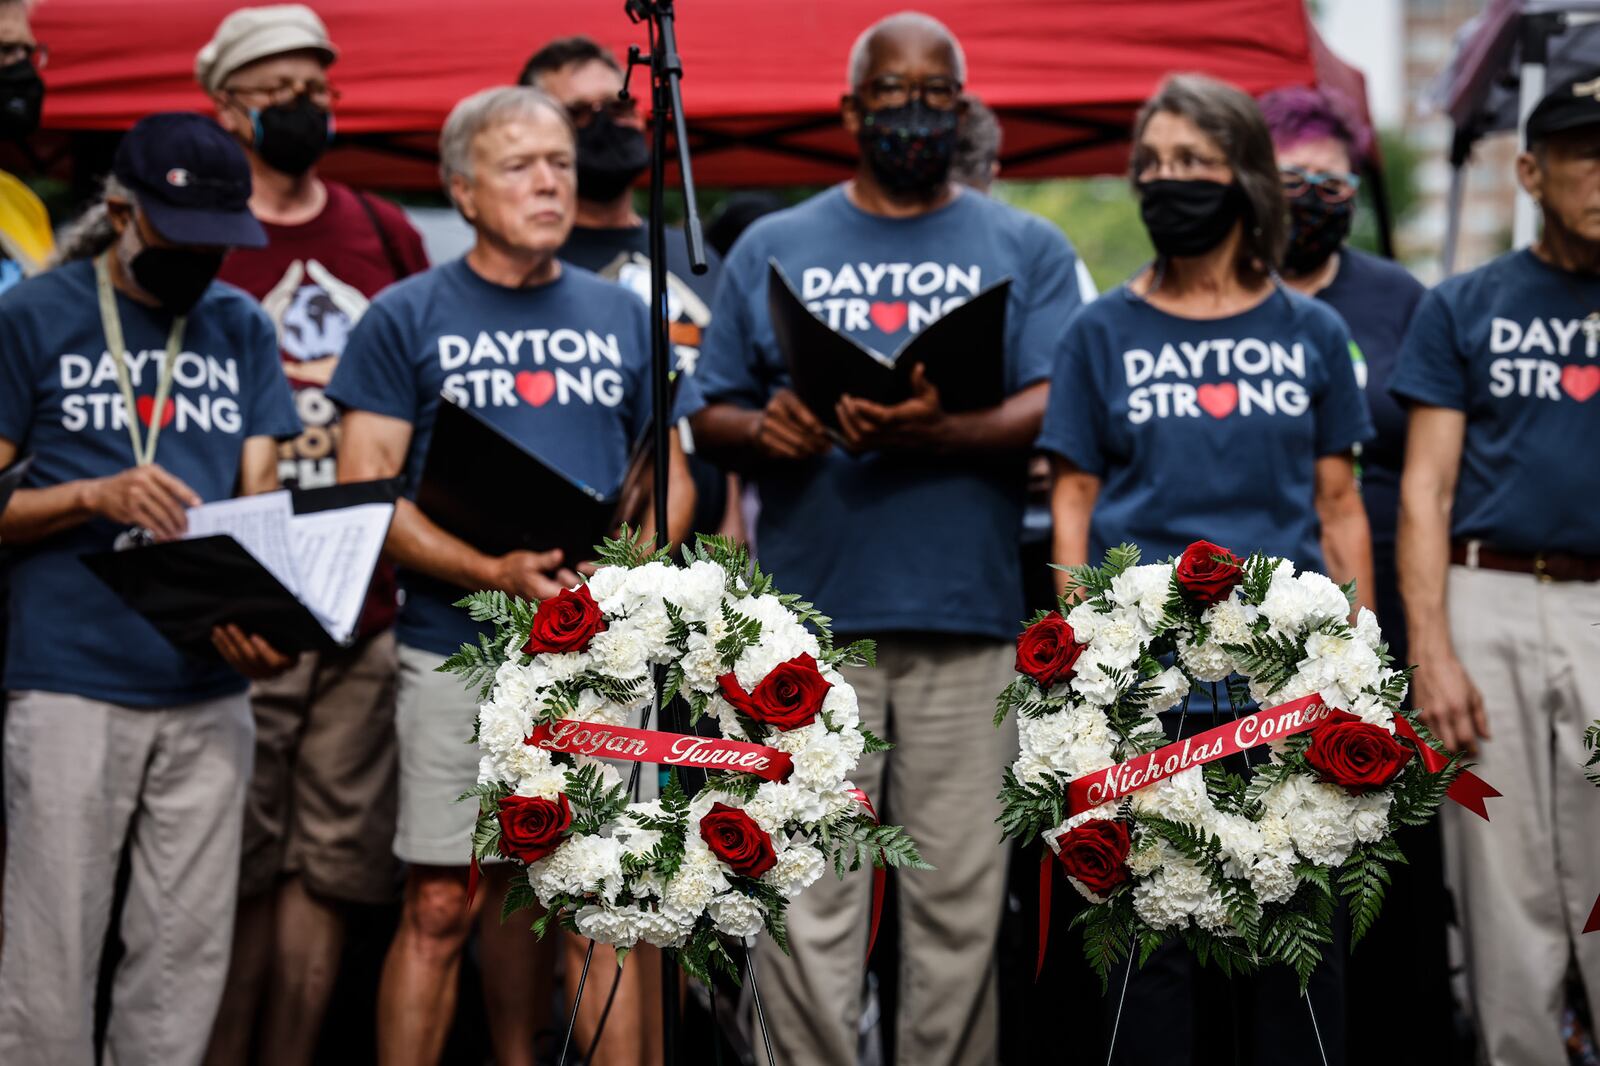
(177, 176)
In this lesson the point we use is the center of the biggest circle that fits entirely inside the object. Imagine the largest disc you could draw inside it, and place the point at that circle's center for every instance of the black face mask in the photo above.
(1317, 229)
(909, 147)
(291, 137)
(1186, 218)
(21, 98)
(176, 277)
(609, 158)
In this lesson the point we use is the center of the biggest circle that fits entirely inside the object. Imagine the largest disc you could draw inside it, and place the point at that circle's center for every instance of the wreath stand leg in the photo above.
(755, 994)
(577, 1001)
(1316, 1030)
(1127, 975)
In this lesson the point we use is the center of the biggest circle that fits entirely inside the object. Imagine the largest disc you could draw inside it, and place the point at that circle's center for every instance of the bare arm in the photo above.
(1072, 496)
(922, 424)
(1346, 537)
(374, 446)
(145, 496)
(258, 466)
(1449, 702)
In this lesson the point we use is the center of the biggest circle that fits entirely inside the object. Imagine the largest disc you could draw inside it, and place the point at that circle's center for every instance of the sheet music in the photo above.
(335, 553)
(261, 526)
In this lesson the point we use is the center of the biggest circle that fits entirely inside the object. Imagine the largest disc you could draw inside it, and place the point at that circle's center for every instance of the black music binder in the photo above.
(484, 487)
(187, 587)
(962, 353)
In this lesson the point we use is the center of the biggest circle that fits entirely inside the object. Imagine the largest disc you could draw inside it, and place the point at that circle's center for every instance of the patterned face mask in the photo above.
(1317, 229)
(909, 147)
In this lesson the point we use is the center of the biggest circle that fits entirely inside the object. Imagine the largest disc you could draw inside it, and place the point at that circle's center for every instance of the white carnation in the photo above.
(798, 867)
(1171, 688)
(1144, 589)
(619, 652)
(735, 914)
(663, 931)
(619, 928)
(823, 763)
(699, 590)
(1367, 629)
(1207, 661)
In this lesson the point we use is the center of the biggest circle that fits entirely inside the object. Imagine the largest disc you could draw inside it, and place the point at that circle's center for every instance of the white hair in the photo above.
(484, 110)
(861, 51)
(91, 232)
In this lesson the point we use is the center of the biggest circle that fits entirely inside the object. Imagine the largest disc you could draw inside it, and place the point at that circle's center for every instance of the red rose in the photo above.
(531, 828)
(735, 838)
(790, 697)
(1358, 756)
(566, 623)
(1096, 853)
(1207, 572)
(1047, 651)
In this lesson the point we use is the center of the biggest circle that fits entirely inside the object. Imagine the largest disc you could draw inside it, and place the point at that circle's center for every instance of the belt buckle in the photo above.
(1540, 571)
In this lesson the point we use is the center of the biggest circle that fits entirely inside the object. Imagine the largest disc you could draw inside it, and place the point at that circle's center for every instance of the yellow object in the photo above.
(24, 225)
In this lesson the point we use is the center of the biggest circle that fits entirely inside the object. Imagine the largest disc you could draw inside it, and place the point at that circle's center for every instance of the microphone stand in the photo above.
(666, 100)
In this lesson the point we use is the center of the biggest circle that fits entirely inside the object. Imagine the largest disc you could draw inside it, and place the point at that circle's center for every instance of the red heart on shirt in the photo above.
(1580, 382)
(889, 317)
(536, 387)
(1219, 400)
(169, 410)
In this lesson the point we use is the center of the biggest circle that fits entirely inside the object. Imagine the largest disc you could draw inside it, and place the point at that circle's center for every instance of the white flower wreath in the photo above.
(1245, 868)
(674, 872)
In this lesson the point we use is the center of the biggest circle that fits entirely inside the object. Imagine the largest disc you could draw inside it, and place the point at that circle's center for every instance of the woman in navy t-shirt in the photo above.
(1204, 400)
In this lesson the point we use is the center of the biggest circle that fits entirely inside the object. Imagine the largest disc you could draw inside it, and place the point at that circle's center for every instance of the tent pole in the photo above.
(1536, 33)
(1452, 219)
(1380, 207)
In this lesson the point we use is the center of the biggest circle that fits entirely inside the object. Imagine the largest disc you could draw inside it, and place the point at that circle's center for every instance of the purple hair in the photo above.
(1299, 114)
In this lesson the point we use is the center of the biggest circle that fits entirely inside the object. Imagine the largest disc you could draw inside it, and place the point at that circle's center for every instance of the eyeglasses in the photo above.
(1331, 188)
(615, 107)
(1183, 165)
(317, 91)
(941, 94)
(19, 51)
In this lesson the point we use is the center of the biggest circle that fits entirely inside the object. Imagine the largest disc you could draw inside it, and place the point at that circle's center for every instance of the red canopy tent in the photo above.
(762, 79)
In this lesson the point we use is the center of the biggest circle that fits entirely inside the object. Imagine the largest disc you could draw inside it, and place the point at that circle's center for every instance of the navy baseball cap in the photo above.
(1571, 105)
(192, 180)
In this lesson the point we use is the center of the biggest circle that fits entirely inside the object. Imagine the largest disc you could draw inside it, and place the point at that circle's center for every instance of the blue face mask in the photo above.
(292, 137)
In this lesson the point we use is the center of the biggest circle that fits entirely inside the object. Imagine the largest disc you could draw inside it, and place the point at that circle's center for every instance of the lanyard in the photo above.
(143, 453)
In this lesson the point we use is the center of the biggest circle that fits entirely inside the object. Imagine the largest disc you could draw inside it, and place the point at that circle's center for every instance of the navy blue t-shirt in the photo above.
(1205, 428)
(881, 541)
(562, 367)
(1506, 345)
(59, 400)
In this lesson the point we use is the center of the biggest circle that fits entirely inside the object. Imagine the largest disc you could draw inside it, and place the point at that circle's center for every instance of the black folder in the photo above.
(962, 353)
(186, 587)
(11, 479)
(481, 485)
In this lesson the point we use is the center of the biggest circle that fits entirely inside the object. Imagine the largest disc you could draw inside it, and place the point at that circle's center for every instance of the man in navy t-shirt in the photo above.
(1499, 564)
(907, 533)
(556, 358)
(141, 387)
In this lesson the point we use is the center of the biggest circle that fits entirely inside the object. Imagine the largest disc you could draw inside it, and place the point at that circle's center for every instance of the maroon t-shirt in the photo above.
(315, 281)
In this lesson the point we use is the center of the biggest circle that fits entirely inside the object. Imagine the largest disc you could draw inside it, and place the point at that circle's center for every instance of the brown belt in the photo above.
(1552, 566)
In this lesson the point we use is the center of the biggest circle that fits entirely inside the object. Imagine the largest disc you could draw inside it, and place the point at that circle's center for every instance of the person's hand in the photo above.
(913, 424)
(145, 496)
(531, 575)
(249, 654)
(1449, 703)
(787, 429)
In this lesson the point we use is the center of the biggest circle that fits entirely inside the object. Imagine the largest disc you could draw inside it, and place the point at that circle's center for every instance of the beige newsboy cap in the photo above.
(253, 33)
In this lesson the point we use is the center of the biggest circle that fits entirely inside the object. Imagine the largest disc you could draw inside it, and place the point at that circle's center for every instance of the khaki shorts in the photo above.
(322, 799)
(434, 716)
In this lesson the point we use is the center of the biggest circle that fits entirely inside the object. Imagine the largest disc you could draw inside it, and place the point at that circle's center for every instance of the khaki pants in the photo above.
(1525, 881)
(933, 697)
(81, 778)
(322, 796)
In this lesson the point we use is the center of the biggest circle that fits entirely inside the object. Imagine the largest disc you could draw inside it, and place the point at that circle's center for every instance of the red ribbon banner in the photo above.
(671, 749)
(878, 875)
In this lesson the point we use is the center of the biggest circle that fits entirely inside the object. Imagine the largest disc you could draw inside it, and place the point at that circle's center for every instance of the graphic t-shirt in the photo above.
(1376, 298)
(59, 400)
(1515, 345)
(892, 541)
(1205, 428)
(315, 281)
(563, 368)
(622, 255)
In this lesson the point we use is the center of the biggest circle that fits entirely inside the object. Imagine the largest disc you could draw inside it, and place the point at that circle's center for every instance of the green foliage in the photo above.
(1110, 932)
(1362, 880)
(1269, 660)
(1096, 580)
(742, 632)
(874, 743)
(594, 806)
(1100, 214)
(853, 838)
(629, 550)
(1257, 571)
(476, 665)
(1591, 740)
(1297, 934)
(705, 951)
(774, 909)
(856, 653)
(519, 896)
(1028, 810)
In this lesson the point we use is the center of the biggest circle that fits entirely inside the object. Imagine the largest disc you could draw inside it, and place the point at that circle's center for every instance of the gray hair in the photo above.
(861, 51)
(91, 232)
(978, 149)
(482, 111)
(1230, 117)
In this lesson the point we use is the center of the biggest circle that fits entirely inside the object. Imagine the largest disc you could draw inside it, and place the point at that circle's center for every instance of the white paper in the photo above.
(261, 526)
(335, 553)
